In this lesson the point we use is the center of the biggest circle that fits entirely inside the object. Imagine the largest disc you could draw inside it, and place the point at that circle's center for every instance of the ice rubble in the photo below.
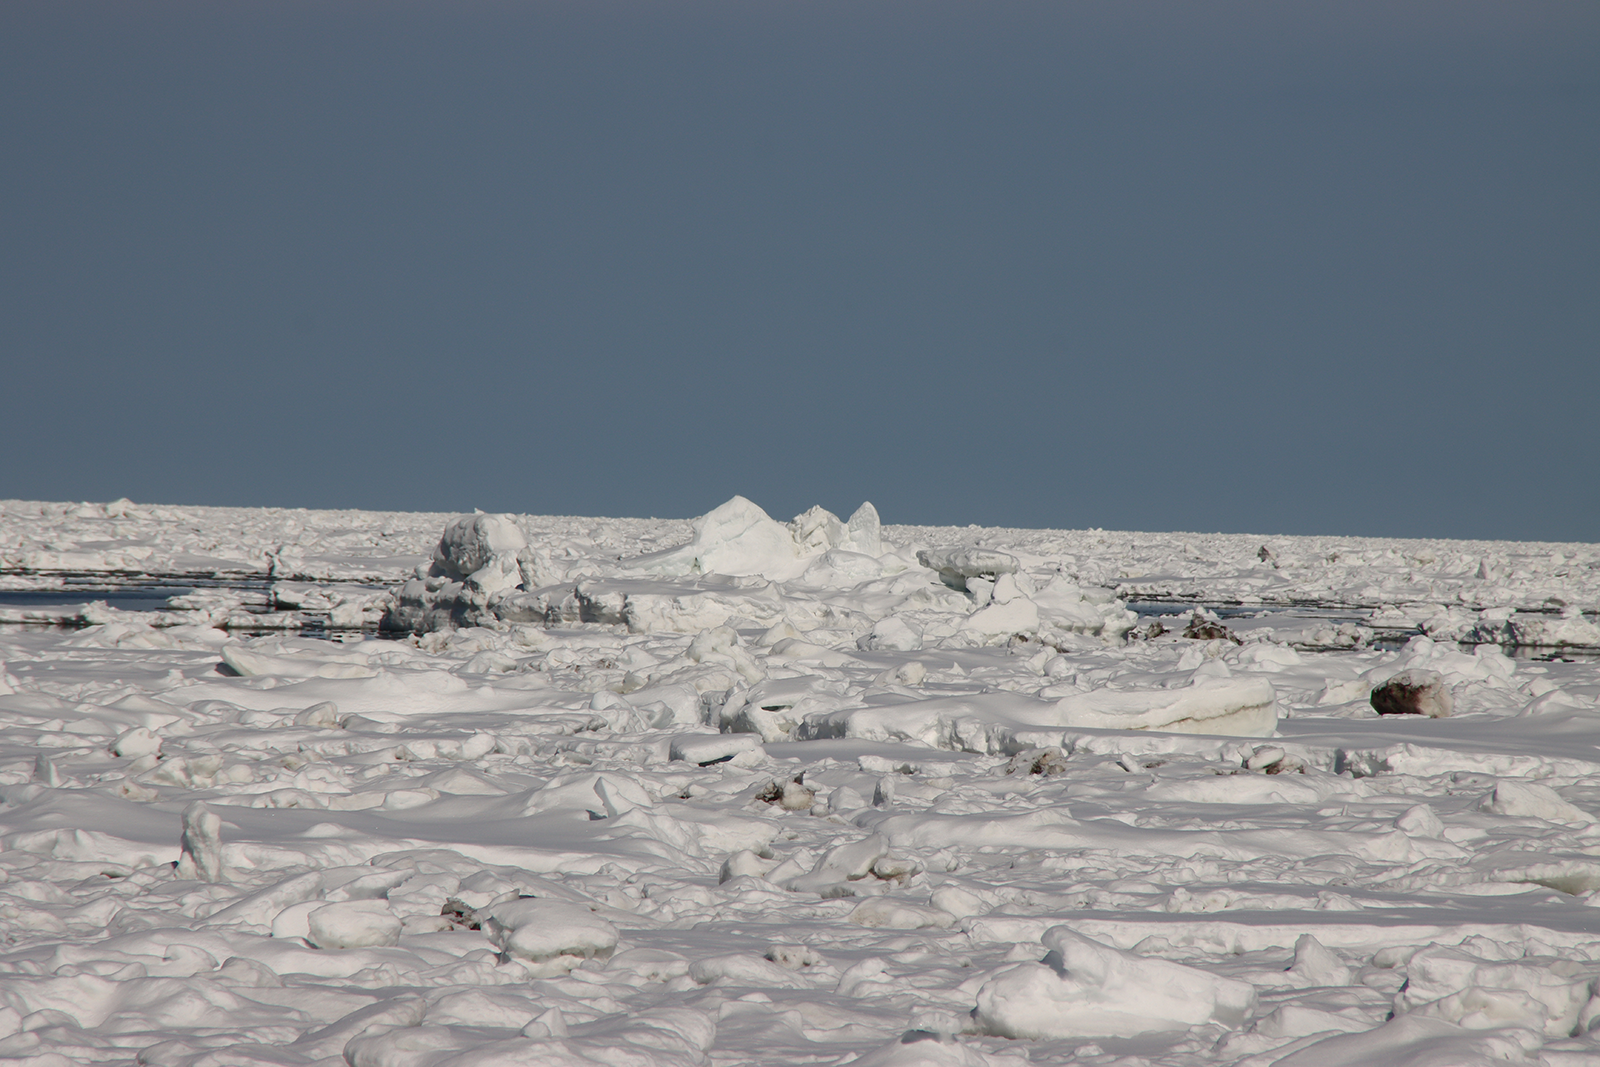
(742, 566)
(809, 813)
(1501, 592)
(732, 542)
(740, 563)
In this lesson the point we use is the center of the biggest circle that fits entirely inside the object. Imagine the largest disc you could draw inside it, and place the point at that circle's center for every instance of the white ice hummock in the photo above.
(1084, 988)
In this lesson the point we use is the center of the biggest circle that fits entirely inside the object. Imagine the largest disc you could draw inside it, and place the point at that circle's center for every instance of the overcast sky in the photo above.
(1273, 267)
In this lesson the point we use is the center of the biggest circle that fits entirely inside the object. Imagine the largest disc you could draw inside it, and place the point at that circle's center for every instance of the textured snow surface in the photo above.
(747, 791)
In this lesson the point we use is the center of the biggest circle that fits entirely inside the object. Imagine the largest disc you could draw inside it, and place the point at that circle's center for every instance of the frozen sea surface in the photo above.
(740, 791)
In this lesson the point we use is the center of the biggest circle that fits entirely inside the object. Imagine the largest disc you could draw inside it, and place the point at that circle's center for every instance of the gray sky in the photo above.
(1275, 267)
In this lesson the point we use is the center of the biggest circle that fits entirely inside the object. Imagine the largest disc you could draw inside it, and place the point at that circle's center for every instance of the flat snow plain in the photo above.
(740, 791)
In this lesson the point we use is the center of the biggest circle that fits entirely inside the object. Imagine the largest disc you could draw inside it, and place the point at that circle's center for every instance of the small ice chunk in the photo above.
(844, 863)
(893, 633)
(1264, 757)
(324, 714)
(893, 868)
(1419, 820)
(957, 901)
(706, 749)
(1241, 707)
(741, 864)
(774, 709)
(855, 859)
(247, 974)
(618, 795)
(863, 531)
(44, 771)
(844, 799)
(816, 530)
(1316, 963)
(353, 924)
(201, 859)
(384, 1047)
(720, 644)
(1568, 628)
(137, 742)
(782, 630)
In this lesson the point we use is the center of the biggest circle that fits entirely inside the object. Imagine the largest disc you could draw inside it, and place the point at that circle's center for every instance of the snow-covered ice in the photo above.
(741, 790)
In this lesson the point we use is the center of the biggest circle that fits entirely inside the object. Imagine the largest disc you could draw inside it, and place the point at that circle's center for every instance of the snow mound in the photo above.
(550, 938)
(736, 538)
(1084, 988)
(353, 924)
(1533, 801)
(1414, 1041)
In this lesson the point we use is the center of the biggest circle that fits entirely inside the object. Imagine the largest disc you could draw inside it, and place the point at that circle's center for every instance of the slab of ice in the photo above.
(1009, 722)
(1242, 707)
(957, 563)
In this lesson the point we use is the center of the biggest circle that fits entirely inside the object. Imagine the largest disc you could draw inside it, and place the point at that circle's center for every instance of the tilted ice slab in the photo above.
(1243, 707)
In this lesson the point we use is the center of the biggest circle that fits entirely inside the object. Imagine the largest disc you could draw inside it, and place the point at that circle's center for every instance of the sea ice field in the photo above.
(385, 789)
